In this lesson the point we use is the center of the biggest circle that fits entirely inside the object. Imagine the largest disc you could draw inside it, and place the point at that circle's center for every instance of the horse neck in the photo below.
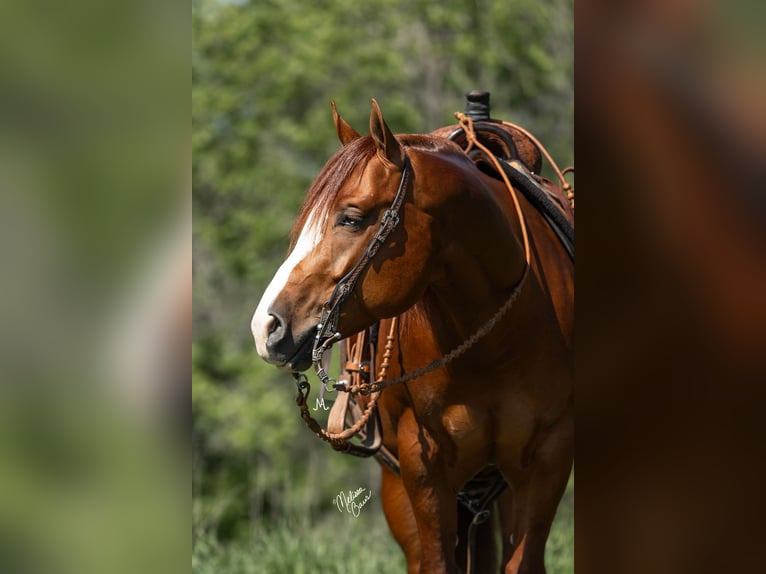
(482, 257)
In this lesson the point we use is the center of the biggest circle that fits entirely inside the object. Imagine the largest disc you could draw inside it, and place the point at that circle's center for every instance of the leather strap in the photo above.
(337, 417)
(355, 352)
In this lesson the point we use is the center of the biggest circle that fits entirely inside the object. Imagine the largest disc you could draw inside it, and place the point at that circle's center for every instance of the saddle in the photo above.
(503, 140)
(520, 157)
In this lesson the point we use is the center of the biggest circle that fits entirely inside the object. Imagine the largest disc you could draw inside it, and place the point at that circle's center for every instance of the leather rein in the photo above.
(327, 333)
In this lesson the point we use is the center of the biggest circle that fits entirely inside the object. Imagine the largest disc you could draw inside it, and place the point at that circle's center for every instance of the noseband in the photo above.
(327, 333)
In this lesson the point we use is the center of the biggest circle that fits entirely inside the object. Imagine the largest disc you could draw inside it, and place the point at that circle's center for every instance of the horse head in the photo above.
(341, 215)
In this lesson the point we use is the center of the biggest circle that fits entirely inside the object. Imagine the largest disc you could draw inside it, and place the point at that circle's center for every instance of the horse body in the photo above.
(506, 402)
(453, 260)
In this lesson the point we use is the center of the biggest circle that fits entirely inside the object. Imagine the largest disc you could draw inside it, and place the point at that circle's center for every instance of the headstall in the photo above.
(327, 333)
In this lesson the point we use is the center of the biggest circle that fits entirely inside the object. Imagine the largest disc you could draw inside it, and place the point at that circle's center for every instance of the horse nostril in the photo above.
(275, 327)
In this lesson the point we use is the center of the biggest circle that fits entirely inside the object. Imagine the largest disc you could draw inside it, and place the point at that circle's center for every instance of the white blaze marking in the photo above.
(309, 238)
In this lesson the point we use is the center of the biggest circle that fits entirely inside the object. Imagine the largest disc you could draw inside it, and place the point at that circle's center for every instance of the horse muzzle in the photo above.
(277, 344)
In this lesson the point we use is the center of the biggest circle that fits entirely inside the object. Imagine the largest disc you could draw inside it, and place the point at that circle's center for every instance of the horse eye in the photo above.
(351, 219)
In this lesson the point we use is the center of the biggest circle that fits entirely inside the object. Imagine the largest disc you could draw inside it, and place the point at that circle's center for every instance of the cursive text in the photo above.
(351, 502)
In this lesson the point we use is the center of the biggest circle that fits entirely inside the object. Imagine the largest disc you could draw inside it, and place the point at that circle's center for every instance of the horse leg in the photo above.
(434, 503)
(401, 521)
(536, 495)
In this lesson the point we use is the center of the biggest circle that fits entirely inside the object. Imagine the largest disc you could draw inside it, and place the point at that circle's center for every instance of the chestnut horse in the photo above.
(456, 256)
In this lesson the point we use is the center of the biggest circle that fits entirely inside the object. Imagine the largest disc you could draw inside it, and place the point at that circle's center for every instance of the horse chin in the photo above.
(299, 364)
(301, 360)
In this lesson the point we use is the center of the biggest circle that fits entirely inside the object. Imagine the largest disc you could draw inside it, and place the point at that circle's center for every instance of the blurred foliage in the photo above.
(94, 191)
(263, 75)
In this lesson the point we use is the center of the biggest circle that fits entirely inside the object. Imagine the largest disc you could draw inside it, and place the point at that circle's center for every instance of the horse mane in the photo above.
(323, 192)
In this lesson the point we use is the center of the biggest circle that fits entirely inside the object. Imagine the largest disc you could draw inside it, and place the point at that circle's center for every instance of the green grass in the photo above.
(341, 544)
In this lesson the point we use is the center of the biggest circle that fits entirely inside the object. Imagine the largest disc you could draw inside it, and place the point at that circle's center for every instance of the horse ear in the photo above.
(389, 149)
(346, 134)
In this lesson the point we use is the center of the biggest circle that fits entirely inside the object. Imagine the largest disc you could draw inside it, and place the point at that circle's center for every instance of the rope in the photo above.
(376, 387)
(339, 441)
(467, 124)
(559, 173)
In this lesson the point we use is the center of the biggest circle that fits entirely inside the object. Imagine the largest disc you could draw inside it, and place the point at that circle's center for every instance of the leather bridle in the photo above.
(327, 333)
